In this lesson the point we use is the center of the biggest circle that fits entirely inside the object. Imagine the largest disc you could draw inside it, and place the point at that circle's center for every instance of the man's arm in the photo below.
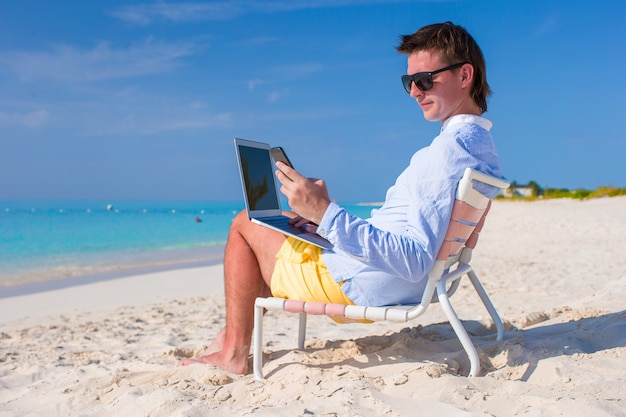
(407, 255)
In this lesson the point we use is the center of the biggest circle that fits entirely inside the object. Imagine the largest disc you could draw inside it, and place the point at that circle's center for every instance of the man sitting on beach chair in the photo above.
(383, 260)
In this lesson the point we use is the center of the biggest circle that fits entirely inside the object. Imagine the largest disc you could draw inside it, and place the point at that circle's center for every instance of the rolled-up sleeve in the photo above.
(409, 255)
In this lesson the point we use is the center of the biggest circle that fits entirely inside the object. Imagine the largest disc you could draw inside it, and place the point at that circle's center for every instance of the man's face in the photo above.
(450, 93)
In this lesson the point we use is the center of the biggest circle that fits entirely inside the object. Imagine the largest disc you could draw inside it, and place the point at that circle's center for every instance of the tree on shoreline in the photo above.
(536, 192)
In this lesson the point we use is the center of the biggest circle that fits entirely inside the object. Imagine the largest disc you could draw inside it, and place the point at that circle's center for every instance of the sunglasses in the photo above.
(424, 80)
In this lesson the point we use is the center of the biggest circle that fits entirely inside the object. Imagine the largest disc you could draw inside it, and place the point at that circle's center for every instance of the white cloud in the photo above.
(295, 71)
(197, 105)
(547, 25)
(277, 75)
(31, 120)
(252, 84)
(149, 114)
(274, 96)
(144, 14)
(64, 62)
(156, 121)
(257, 41)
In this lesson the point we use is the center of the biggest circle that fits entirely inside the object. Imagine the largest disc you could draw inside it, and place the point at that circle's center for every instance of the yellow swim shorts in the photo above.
(300, 274)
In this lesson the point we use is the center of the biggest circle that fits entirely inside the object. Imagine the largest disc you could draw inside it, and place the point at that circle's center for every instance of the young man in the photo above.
(383, 260)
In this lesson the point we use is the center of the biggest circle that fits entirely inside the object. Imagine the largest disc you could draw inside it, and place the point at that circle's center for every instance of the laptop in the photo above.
(260, 192)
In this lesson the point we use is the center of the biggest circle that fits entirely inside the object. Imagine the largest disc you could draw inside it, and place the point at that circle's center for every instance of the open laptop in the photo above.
(260, 192)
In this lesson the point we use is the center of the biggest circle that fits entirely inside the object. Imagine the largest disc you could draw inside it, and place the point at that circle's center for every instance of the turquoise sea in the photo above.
(70, 242)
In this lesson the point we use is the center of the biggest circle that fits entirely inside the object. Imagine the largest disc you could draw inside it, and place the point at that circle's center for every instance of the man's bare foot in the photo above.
(235, 364)
(216, 345)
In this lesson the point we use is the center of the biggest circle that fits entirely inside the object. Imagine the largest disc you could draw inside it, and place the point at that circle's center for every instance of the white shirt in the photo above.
(384, 260)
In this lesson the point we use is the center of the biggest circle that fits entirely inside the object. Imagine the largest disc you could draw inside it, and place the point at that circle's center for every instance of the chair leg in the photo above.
(459, 329)
(301, 331)
(497, 321)
(257, 359)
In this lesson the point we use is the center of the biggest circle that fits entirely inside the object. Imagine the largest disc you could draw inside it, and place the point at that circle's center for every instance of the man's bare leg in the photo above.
(216, 345)
(249, 261)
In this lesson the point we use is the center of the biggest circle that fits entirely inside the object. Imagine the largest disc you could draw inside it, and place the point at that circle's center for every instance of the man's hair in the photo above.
(455, 45)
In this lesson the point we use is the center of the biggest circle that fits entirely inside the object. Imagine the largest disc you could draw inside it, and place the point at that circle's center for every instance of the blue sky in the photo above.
(141, 100)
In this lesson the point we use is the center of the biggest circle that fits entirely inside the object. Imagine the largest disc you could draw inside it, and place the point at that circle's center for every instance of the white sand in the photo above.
(554, 270)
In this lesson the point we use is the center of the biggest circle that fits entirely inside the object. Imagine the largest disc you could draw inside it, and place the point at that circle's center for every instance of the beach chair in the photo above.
(452, 263)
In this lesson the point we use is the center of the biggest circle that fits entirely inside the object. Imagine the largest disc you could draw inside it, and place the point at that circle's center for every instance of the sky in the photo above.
(141, 100)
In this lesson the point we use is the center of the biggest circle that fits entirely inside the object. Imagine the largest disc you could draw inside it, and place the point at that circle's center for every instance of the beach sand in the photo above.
(554, 270)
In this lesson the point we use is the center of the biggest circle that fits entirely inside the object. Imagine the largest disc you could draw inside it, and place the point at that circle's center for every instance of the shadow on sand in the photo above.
(437, 343)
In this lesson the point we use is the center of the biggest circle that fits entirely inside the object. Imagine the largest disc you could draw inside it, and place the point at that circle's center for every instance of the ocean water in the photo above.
(60, 240)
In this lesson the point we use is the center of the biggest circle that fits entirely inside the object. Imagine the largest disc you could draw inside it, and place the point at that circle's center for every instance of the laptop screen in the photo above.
(258, 178)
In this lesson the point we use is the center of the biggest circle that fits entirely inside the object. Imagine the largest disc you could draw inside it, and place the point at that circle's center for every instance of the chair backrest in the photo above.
(466, 221)
(468, 216)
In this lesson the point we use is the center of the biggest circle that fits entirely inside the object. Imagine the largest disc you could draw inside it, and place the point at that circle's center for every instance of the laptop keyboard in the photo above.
(282, 223)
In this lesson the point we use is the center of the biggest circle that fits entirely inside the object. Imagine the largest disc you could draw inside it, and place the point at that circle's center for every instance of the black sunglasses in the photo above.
(424, 80)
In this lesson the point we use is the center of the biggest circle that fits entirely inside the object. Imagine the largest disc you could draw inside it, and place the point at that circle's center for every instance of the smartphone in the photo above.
(279, 154)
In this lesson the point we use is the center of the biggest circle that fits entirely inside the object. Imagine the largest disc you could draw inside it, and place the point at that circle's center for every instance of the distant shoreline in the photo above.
(212, 255)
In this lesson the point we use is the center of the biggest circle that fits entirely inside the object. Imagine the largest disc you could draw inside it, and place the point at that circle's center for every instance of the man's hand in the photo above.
(308, 197)
(301, 222)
